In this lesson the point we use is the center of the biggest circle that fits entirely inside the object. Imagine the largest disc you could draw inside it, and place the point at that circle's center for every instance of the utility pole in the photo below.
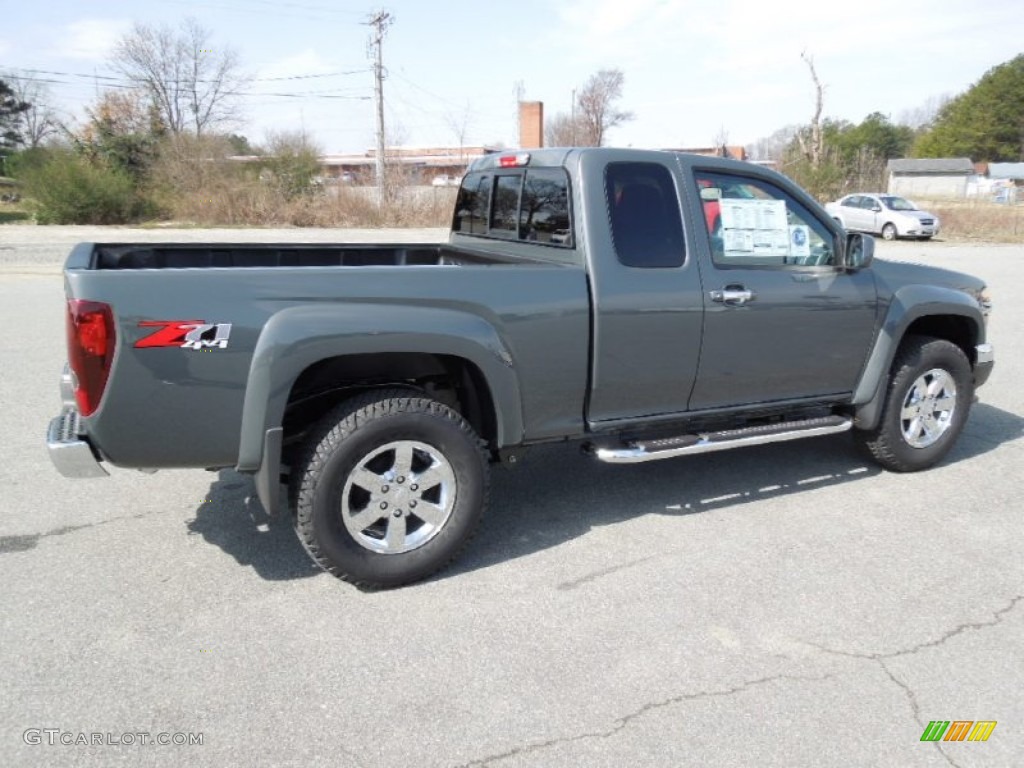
(380, 21)
(572, 120)
(520, 90)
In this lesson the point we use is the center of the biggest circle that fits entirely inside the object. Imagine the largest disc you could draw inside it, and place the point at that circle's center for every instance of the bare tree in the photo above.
(722, 142)
(596, 112)
(561, 131)
(923, 115)
(811, 139)
(192, 84)
(459, 124)
(39, 122)
(773, 147)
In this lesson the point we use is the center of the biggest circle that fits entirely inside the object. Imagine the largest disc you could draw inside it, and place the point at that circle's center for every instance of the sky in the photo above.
(695, 72)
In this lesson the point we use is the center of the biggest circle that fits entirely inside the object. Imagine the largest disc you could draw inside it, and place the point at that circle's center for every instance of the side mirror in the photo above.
(860, 251)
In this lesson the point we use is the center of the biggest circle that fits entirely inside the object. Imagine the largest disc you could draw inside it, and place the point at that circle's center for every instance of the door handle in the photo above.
(733, 295)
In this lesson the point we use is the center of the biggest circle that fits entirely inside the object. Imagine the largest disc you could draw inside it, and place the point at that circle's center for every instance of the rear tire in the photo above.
(929, 395)
(889, 232)
(390, 488)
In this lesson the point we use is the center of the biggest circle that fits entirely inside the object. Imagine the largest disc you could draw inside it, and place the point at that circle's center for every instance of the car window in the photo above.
(762, 225)
(526, 204)
(472, 205)
(504, 218)
(898, 204)
(544, 212)
(853, 201)
(869, 203)
(643, 208)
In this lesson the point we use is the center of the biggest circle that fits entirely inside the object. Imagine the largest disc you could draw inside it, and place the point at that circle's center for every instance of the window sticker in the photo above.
(756, 228)
(799, 240)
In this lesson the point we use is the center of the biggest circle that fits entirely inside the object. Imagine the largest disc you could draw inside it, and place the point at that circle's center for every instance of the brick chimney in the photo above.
(531, 124)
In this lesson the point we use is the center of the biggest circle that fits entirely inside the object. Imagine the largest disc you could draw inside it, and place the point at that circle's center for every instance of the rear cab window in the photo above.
(526, 204)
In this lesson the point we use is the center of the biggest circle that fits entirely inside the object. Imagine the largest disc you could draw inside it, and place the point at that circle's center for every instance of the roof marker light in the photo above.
(514, 161)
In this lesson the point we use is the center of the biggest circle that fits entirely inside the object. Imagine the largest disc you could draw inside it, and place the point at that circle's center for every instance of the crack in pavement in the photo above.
(997, 618)
(625, 720)
(880, 658)
(914, 705)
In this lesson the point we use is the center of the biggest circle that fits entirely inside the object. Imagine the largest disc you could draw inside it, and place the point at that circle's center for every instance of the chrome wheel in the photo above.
(928, 408)
(398, 497)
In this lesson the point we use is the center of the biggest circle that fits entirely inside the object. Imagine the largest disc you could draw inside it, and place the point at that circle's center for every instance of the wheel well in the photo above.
(454, 381)
(959, 330)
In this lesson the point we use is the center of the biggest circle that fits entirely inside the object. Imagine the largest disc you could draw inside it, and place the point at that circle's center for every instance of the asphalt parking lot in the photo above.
(788, 605)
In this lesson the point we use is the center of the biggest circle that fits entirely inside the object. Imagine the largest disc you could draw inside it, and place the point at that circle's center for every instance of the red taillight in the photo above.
(91, 342)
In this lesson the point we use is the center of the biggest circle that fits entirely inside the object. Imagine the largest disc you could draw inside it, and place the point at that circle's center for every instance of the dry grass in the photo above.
(978, 220)
(193, 184)
(254, 203)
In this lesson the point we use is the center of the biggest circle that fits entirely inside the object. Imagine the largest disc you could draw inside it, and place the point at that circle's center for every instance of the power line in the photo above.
(113, 82)
(304, 7)
(277, 9)
(439, 116)
(400, 76)
(91, 76)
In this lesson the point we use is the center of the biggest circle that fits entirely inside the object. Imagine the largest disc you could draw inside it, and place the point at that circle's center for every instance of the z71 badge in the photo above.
(187, 334)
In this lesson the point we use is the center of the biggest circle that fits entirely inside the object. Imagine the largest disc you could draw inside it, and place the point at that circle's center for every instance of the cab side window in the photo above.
(753, 223)
(643, 208)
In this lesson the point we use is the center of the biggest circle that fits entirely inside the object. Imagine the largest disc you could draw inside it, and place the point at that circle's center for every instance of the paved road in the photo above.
(777, 606)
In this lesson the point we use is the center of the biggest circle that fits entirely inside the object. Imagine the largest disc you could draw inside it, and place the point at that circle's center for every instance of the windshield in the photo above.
(898, 204)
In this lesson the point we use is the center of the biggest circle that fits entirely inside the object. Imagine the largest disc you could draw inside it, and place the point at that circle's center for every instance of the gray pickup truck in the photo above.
(646, 304)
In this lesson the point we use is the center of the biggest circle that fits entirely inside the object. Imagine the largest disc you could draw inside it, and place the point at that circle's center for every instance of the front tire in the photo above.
(889, 232)
(390, 488)
(929, 395)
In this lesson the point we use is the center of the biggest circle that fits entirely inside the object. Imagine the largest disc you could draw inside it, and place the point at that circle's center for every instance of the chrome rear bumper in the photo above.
(70, 454)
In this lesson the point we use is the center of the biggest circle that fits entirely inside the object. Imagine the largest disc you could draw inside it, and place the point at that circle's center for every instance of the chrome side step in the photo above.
(667, 448)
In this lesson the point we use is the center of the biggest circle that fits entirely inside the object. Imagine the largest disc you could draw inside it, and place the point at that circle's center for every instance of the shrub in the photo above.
(70, 189)
(293, 164)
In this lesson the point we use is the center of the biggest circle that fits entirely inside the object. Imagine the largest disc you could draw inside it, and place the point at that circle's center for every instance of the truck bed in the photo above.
(279, 304)
(199, 256)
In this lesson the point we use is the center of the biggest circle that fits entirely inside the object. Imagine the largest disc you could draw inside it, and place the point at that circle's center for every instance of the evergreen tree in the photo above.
(11, 108)
(985, 122)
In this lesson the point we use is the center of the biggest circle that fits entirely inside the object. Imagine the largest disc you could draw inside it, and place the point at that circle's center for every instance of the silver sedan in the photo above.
(890, 216)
